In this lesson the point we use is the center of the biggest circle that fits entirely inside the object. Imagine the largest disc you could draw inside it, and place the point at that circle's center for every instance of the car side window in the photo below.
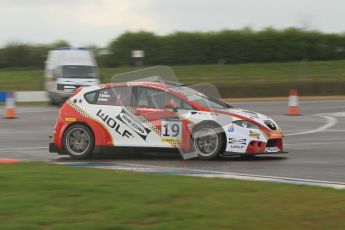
(91, 97)
(106, 97)
(116, 96)
(154, 98)
(144, 97)
(161, 98)
(123, 95)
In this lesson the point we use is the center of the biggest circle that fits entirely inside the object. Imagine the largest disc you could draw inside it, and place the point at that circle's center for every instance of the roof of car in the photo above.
(158, 85)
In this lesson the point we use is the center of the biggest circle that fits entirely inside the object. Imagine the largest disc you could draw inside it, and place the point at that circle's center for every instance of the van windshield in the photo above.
(79, 71)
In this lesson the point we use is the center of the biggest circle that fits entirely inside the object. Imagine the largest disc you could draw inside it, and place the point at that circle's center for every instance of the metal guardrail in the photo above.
(27, 96)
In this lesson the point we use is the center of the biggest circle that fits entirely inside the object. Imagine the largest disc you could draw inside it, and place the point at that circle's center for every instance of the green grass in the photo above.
(38, 103)
(48, 196)
(21, 79)
(243, 80)
(267, 72)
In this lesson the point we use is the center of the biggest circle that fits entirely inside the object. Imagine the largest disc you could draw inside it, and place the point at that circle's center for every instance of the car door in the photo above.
(150, 104)
(109, 109)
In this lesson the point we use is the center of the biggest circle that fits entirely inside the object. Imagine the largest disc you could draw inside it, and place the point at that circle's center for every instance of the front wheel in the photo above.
(78, 141)
(207, 141)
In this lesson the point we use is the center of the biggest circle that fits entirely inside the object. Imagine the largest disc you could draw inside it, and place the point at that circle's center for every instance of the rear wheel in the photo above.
(207, 141)
(78, 141)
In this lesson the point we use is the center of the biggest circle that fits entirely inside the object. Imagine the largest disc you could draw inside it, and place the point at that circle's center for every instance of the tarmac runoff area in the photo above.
(315, 142)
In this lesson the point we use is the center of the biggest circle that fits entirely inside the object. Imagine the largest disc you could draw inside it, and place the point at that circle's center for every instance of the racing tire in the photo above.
(78, 141)
(207, 140)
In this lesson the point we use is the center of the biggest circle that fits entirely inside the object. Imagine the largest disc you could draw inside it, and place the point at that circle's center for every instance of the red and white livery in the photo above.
(160, 115)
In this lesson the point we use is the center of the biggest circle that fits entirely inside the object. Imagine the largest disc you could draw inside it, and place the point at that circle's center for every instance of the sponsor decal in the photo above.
(111, 122)
(104, 96)
(134, 125)
(254, 134)
(70, 119)
(237, 141)
(237, 146)
(272, 149)
(231, 128)
(169, 140)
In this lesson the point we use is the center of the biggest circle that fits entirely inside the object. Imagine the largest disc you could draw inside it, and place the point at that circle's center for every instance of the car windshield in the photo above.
(201, 99)
(79, 71)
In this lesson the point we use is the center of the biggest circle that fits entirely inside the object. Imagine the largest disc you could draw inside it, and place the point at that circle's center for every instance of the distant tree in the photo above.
(16, 55)
(122, 47)
(59, 44)
(230, 46)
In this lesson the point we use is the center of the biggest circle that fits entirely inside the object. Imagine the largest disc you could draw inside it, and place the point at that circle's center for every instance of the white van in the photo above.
(66, 70)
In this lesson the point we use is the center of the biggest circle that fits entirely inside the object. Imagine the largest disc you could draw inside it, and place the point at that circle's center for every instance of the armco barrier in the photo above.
(31, 96)
(27, 96)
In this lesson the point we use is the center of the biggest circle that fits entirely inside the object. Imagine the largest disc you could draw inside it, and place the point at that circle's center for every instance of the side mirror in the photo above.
(171, 105)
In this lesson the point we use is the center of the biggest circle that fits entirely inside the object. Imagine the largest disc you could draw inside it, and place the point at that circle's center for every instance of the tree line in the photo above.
(17, 54)
(182, 48)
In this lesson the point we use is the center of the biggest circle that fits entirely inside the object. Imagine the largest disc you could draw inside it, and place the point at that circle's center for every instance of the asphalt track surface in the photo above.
(315, 142)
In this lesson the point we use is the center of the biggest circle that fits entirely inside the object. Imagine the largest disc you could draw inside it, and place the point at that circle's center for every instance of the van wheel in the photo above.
(78, 141)
(52, 101)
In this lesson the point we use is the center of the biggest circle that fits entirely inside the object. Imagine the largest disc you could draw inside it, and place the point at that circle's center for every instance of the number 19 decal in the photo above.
(171, 130)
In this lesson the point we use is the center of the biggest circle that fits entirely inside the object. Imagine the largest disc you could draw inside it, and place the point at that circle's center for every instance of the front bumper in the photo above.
(54, 149)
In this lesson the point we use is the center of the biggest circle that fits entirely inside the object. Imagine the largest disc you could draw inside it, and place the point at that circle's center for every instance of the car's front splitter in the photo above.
(252, 154)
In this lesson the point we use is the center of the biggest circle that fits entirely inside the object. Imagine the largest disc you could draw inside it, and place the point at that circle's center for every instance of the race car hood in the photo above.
(250, 115)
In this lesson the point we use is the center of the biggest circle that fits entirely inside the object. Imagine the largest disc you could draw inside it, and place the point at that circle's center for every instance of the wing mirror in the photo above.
(171, 105)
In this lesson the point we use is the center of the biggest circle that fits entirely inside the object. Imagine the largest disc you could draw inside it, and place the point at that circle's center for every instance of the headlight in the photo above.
(245, 124)
(270, 124)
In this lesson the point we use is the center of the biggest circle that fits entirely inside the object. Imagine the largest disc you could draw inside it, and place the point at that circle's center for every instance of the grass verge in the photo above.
(241, 80)
(35, 103)
(48, 196)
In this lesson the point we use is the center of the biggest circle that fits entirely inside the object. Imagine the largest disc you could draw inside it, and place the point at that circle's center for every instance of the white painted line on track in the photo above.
(317, 143)
(7, 130)
(338, 114)
(334, 131)
(206, 173)
(28, 148)
(22, 132)
(211, 173)
(330, 122)
(36, 111)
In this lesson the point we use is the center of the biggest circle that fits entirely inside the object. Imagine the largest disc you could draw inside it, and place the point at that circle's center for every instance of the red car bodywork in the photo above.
(68, 115)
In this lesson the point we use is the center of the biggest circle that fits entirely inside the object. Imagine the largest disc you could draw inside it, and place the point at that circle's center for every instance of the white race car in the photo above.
(160, 115)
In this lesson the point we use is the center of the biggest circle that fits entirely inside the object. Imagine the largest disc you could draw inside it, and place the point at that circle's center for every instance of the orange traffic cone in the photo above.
(293, 103)
(10, 105)
(7, 161)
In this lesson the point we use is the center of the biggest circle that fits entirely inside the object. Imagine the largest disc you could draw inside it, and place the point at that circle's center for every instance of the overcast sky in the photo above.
(85, 22)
